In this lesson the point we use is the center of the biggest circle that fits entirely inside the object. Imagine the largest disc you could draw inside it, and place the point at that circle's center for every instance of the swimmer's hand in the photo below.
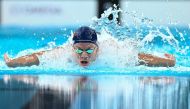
(7, 59)
(169, 56)
(150, 60)
(27, 60)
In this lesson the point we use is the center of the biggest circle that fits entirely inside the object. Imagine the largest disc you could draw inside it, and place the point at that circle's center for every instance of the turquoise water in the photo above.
(100, 92)
(107, 87)
(15, 40)
(146, 36)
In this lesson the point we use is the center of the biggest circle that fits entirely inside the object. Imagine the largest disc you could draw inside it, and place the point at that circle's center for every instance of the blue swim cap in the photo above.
(85, 35)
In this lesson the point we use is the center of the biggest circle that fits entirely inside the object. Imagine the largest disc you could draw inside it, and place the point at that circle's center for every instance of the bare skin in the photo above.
(150, 60)
(84, 59)
(23, 61)
(144, 59)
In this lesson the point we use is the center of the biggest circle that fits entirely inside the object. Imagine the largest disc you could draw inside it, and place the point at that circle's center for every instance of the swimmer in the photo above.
(85, 51)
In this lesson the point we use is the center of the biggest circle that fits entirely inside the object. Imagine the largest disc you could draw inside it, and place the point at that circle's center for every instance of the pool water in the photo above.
(19, 41)
(99, 92)
(105, 87)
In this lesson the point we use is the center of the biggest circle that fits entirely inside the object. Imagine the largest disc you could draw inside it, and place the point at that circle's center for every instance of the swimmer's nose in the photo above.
(84, 56)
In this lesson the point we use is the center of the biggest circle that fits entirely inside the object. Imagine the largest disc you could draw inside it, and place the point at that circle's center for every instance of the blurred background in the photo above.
(74, 12)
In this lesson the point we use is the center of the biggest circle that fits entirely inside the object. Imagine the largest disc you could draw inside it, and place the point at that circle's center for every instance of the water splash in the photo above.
(110, 25)
(120, 45)
(122, 40)
(142, 29)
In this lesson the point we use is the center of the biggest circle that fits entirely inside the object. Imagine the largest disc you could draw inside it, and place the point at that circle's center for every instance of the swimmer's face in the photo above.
(85, 53)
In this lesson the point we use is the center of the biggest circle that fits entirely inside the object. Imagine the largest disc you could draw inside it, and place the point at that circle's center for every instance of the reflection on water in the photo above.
(93, 92)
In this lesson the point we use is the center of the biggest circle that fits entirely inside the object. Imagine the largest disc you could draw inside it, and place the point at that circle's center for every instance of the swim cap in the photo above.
(85, 35)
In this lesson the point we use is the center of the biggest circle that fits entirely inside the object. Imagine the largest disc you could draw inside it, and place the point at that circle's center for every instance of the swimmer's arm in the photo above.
(22, 61)
(151, 60)
(27, 60)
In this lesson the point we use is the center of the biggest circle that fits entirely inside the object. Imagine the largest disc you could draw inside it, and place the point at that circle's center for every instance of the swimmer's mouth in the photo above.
(84, 62)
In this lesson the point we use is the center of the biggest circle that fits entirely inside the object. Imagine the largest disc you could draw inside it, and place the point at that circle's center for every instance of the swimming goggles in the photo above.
(80, 51)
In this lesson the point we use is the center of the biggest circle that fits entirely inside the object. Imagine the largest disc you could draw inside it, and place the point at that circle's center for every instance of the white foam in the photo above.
(115, 53)
(118, 47)
(60, 57)
(112, 54)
